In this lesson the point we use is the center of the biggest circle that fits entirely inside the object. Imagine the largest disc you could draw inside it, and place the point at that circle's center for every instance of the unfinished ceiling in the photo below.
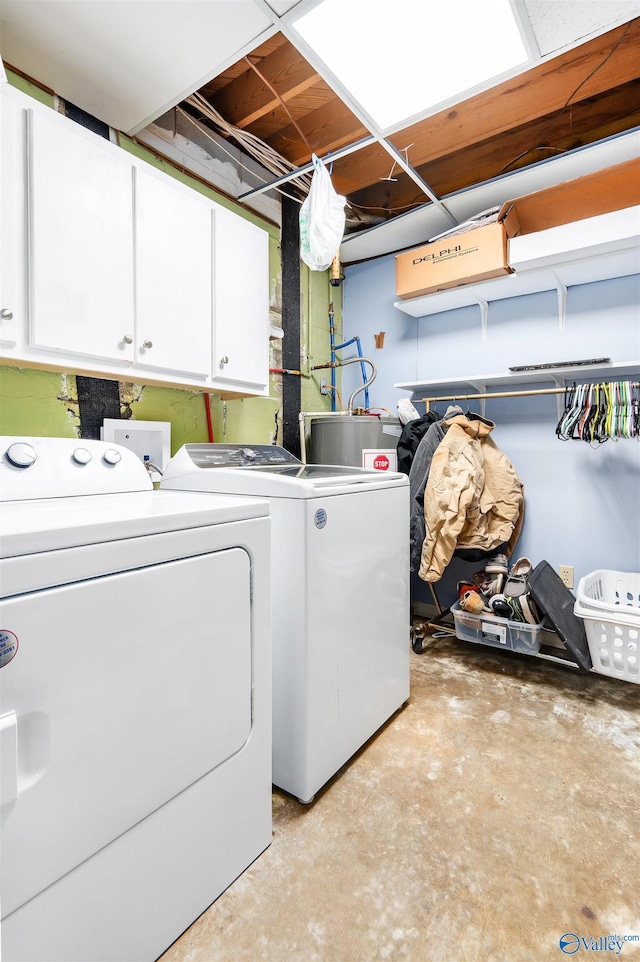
(276, 102)
(577, 98)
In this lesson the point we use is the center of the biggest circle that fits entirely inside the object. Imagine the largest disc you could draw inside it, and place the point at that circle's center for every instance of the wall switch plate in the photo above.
(566, 575)
(323, 385)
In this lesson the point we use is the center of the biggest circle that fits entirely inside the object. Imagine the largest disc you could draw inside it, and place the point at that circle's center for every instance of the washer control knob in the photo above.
(111, 456)
(21, 454)
(248, 454)
(81, 456)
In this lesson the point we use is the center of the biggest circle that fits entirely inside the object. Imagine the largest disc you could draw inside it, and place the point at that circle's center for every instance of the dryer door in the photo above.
(126, 689)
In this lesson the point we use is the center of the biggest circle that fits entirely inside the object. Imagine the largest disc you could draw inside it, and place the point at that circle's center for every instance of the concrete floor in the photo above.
(496, 812)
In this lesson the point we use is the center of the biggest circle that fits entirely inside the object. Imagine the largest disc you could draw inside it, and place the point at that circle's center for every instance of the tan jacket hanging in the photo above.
(473, 497)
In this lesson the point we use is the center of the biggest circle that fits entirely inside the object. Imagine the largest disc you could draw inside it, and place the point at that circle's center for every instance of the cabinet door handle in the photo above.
(224, 360)
(6, 314)
(147, 343)
(127, 339)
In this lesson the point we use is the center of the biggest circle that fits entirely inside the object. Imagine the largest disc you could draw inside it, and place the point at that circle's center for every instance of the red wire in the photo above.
(207, 405)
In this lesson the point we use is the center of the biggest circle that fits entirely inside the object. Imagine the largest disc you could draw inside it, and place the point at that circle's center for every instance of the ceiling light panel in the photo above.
(445, 49)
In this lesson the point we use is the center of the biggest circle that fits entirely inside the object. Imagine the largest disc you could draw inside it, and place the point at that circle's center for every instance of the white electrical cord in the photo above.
(260, 151)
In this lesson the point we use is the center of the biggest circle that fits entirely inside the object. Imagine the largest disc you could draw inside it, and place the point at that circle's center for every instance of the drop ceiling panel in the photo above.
(127, 61)
(561, 23)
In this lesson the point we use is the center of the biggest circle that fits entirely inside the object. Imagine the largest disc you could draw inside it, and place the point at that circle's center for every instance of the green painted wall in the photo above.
(34, 403)
(43, 403)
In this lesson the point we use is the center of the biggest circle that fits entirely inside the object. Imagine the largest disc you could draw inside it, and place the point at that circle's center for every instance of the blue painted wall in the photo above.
(582, 503)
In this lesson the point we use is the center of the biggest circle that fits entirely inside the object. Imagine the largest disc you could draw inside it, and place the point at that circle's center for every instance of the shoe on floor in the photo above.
(523, 609)
(464, 586)
(516, 583)
(496, 565)
(473, 602)
(500, 607)
(496, 572)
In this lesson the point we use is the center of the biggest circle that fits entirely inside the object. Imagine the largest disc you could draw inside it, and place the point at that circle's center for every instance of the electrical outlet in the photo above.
(566, 575)
(323, 385)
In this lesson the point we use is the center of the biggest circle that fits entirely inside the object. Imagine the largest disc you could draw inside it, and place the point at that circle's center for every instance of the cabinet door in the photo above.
(173, 276)
(241, 297)
(13, 294)
(80, 241)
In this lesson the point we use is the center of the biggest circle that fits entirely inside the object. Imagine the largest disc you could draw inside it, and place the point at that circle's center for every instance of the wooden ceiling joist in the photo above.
(247, 98)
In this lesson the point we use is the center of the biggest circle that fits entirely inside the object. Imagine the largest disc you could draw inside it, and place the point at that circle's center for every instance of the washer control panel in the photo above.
(33, 468)
(238, 455)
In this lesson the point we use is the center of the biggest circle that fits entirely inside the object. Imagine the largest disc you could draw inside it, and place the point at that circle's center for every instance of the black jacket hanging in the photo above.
(410, 437)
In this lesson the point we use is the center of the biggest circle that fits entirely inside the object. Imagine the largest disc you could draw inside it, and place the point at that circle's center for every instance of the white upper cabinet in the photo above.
(80, 242)
(173, 276)
(241, 302)
(112, 268)
(13, 295)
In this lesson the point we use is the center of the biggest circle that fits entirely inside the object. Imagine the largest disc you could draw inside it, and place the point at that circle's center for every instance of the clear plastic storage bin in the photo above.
(496, 632)
(609, 604)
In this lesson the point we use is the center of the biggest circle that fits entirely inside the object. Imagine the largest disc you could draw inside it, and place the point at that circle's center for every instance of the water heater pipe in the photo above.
(354, 340)
(351, 360)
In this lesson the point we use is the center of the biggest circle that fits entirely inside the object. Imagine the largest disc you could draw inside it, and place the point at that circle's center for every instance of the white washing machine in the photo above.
(340, 598)
(135, 685)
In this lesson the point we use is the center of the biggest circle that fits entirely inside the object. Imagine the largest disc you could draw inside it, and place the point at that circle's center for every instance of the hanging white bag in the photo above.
(322, 220)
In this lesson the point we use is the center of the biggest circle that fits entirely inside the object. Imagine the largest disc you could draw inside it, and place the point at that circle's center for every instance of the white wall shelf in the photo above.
(507, 380)
(594, 249)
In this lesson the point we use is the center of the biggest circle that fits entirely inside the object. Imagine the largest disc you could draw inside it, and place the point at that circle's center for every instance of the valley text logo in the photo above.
(570, 943)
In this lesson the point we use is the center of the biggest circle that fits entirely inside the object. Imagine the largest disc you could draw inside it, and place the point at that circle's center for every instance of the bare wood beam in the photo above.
(247, 98)
(326, 129)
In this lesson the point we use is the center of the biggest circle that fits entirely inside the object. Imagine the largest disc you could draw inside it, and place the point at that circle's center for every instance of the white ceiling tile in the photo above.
(127, 61)
(562, 23)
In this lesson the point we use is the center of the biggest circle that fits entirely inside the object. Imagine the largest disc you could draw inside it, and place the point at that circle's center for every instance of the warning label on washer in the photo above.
(8, 646)
(320, 518)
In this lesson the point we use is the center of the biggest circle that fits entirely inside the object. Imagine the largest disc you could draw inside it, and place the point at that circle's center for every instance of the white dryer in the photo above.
(340, 598)
(135, 674)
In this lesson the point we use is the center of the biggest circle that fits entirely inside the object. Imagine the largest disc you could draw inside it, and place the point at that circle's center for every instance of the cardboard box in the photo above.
(482, 253)
(450, 261)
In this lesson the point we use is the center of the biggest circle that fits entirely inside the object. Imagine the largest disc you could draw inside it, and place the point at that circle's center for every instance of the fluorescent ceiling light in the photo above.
(412, 55)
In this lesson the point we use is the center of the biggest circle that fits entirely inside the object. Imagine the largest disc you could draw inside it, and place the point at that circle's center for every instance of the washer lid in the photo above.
(266, 471)
(48, 524)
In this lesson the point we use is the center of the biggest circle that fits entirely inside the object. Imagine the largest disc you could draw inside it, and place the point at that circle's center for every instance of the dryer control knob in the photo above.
(21, 454)
(111, 456)
(81, 456)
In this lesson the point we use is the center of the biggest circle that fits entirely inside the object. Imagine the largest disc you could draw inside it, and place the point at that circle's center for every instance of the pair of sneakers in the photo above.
(498, 579)
(516, 595)
(521, 608)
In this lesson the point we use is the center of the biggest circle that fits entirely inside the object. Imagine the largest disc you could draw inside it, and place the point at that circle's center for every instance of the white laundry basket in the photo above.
(609, 604)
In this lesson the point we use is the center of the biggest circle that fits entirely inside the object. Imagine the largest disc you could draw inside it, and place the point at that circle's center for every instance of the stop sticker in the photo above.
(381, 463)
